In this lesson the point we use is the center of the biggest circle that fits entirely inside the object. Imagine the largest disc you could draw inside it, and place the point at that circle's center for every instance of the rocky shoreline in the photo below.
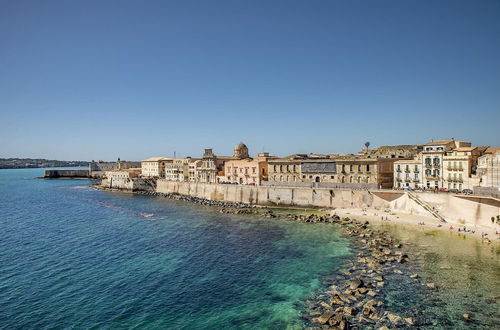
(355, 299)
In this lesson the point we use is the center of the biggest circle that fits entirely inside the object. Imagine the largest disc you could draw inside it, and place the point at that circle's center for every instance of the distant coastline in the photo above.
(13, 163)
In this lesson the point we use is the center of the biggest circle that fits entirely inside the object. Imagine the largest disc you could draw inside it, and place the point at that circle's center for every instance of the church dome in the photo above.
(241, 151)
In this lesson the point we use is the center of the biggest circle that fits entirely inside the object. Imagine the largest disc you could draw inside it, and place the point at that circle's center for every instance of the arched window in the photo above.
(359, 168)
(359, 179)
(350, 168)
(368, 167)
(350, 179)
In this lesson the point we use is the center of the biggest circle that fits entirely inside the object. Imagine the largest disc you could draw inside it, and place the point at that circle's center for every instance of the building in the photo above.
(250, 171)
(123, 174)
(408, 173)
(364, 172)
(211, 167)
(460, 167)
(154, 167)
(318, 171)
(178, 169)
(432, 160)
(286, 169)
(488, 169)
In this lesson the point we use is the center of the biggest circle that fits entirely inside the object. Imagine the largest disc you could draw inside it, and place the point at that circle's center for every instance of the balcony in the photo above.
(436, 165)
(416, 170)
(416, 181)
(407, 180)
(398, 170)
(399, 179)
(432, 177)
(427, 165)
(407, 171)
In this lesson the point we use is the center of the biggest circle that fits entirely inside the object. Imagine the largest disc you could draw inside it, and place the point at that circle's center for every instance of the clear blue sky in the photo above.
(132, 79)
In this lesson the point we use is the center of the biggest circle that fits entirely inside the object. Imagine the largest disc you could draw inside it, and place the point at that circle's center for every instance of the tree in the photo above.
(367, 144)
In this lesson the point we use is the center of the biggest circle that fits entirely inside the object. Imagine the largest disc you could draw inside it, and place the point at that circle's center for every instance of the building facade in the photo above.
(154, 167)
(488, 169)
(460, 168)
(178, 169)
(408, 173)
(432, 161)
(250, 171)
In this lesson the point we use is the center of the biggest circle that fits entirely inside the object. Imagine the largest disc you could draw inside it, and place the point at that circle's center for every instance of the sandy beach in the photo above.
(421, 221)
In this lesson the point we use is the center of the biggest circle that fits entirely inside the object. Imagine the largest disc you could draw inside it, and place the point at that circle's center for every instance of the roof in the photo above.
(408, 161)
(492, 150)
(438, 142)
(464, 149)
(155, 159)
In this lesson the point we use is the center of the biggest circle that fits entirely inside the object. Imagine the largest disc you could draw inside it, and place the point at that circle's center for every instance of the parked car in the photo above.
(454, 191)
(408, 188)
(443, 189)
(467, 192)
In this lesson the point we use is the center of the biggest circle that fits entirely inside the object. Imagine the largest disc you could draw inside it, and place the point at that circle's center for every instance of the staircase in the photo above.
(426, 206)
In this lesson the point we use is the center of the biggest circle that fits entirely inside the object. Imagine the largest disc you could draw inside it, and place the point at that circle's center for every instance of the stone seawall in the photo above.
(454, 208)
(53, 174)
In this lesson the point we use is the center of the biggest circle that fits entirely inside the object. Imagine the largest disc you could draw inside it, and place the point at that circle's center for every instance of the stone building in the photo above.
(286, 169)
(362, 171)
(432, 160)
(211, 168)
(247, 171)
(408, 173)
(154, 167)
(178, 169)
(488, 169)
(460, 167)
(128, 173)
(318, 171)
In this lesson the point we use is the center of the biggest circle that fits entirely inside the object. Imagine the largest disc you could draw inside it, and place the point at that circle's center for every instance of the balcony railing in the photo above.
(398, 170)
(427, 165)
(437, 165)
(432, 177)
(407, 171)
(407, 180)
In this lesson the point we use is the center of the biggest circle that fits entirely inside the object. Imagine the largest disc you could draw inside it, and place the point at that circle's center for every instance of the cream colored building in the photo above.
(432, 161)
(488, 169)
(211, 167)
(123, 174)
(286, 169)
(178, 169)
(250, 171)
(408, 173)
(154, 167)
(460, 166)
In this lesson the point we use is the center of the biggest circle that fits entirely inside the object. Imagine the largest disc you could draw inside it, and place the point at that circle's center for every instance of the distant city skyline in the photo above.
(108, 79)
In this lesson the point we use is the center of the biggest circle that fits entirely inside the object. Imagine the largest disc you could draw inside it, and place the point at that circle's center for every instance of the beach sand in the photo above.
(420, 221)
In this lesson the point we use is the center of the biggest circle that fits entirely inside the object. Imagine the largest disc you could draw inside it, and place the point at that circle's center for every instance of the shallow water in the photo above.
(466, 271)
(71, 256)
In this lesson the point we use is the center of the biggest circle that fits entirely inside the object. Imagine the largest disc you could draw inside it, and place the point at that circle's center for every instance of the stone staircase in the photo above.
(426, 206)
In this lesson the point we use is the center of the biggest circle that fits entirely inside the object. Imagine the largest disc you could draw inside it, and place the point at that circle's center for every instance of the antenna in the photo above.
(174, 154)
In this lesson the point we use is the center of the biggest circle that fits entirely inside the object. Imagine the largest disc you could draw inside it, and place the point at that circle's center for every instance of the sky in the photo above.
(83, 80)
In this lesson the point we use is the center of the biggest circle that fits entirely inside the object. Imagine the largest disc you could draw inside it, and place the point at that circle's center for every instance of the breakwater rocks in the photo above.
(356, 299)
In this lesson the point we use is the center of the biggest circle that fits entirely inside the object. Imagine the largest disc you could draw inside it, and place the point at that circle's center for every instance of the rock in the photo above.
(380, 283)
(372, 293)
(323, 318)
(397, 271)
(383, 328)
(431, 286)
(466, 316)
(356, 283)
(410, 320)
(378, 278)
(395, 319)
(414, 276)
(362, 290)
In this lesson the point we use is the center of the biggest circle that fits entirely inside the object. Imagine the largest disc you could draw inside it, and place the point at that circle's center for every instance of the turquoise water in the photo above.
(74, 257)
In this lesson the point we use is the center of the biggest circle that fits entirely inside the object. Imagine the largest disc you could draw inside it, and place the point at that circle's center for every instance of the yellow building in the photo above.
(459, 167)
(178, 169)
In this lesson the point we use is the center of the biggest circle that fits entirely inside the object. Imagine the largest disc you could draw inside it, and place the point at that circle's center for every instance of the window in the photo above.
(303, 176)
(350, 168)
(332, 177)
(359, 168)
(427, 160)
(368, 167)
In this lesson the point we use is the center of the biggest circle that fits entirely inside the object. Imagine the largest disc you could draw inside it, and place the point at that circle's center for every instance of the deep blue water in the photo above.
(75, 257)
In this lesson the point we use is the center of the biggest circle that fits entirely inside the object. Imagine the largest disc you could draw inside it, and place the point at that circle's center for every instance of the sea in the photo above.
(73, 257)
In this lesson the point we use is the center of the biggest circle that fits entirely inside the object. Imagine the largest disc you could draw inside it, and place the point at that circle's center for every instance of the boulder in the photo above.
(356, 283)
(410, 320)
(323, 319)
(395, 319)
(431, 286)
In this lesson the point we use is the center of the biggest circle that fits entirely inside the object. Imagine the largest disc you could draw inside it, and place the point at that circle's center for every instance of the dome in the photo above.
(241, 151)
